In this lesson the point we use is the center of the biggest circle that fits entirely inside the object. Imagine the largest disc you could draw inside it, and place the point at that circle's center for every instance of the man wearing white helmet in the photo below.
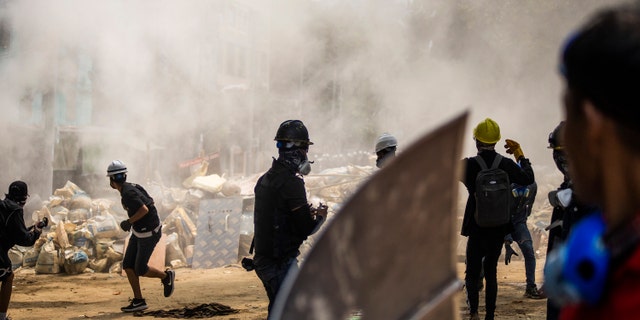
(146, 229)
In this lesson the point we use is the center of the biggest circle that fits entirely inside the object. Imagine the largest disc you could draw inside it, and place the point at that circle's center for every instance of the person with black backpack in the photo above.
(146, 228)
(486, 222)
(13, 232)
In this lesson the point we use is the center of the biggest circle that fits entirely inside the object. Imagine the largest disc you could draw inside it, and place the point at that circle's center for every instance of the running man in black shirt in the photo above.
(146, 229)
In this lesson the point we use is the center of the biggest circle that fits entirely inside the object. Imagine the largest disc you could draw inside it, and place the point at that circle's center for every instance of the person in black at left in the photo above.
(13, 232)
(146, 230)
(484, 245)
(283, 218)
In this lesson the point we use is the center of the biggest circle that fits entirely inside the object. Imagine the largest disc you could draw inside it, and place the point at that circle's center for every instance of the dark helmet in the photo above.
(18, 191)
(293, 131)
(555, 138)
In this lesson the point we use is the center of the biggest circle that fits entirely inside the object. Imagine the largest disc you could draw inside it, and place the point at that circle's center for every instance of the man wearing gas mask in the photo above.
(283, 218)
(14, 232)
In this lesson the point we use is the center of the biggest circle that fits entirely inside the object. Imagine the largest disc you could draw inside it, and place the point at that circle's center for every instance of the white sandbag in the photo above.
(211, 183)
(79, 215)
(113, 256)
(99, 265)
(102, 246)
(83, 239)
(116, 268)
(58, 213)
(16, 257)
(61, 236)
(174, 252)
(75, 261)
(48, 259)
(80, 201)
(104, 227)
(31, 257)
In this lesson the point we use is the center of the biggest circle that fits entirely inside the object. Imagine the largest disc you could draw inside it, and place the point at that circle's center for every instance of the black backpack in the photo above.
(493, 195)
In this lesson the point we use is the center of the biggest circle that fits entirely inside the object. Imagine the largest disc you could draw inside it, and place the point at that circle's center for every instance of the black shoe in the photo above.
(533, 293)
(167, 282)
(135, 305)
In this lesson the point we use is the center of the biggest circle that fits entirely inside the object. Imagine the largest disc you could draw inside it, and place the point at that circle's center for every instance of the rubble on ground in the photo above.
(84, 233)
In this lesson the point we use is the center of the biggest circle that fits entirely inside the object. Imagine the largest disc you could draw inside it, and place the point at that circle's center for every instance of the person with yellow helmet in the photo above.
(484, 244)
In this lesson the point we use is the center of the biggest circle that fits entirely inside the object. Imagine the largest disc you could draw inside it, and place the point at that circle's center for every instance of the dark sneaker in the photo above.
(533, 293)
(135, 305)
(167, 282)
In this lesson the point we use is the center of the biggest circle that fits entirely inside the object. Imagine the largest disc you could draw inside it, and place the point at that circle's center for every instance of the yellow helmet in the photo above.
(487, 131)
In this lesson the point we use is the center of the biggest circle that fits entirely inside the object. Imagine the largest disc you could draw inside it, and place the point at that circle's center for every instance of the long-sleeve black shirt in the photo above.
(13, 230)
(282, 217)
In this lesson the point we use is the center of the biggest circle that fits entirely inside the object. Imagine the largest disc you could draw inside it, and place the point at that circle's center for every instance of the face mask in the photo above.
(561, 162)
(384, 156)
(297, 159)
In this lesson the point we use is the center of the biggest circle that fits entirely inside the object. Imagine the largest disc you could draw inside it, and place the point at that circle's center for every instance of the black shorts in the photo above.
(139, 252)
(5, 265)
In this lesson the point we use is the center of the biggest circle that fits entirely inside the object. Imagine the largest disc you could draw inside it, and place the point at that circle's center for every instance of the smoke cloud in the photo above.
(167, 81)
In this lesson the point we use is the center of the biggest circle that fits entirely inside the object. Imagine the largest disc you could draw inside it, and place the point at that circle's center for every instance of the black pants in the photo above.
(489, 247)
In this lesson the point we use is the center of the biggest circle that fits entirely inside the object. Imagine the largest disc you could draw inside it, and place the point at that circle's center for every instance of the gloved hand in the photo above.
(322, 210)
(514, 149)
(125, 225)
(508, 252)
(43, 223)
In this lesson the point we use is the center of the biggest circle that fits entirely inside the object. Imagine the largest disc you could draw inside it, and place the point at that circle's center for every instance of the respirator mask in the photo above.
(294, 154)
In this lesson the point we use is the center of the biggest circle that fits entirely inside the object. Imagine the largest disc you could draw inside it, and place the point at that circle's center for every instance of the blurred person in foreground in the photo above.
(385, 149)
(13, 232)
(283, 218)
(596, 273)
(146, 231)
(567, 209)
(484, 244)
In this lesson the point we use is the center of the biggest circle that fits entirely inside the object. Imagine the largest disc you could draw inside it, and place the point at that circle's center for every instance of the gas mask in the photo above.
(384, 155)
(296, 159)
(560, 159)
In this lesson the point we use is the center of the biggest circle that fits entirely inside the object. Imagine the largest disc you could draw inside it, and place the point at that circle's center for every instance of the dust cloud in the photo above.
(167, 81)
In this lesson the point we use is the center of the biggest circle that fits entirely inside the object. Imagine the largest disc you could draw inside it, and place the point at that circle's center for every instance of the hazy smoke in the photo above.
(163, 74)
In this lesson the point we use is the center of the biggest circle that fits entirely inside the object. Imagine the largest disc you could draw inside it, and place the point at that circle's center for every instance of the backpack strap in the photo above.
(496, 161)
(480, 161)
(494, 165)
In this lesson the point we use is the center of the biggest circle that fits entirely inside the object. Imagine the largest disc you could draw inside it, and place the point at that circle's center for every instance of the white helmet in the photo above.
(116, 167)
(385, 141)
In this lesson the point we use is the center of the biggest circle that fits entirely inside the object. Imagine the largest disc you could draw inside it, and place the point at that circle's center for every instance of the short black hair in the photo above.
(601, 63)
